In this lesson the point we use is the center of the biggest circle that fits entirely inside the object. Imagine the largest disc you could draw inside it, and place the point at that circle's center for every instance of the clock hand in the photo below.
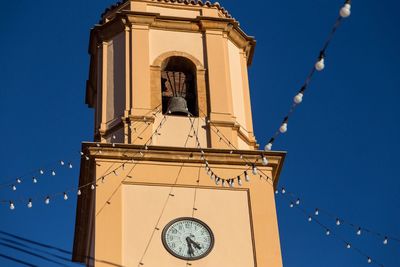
(196, 245)
(190, 249)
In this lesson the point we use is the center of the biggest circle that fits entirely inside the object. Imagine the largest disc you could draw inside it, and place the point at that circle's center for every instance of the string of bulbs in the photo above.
(313, 217)
(339, 221)
(53, 167)
(91, 185)
(319, 66)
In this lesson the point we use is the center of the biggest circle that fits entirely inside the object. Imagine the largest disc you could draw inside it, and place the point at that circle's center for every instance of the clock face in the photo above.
(188, 238)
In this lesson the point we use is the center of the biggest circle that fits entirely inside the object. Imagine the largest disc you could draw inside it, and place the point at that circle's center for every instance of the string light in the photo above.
(264, 160)
(284, 126)
(254, 169)
(34, 180)
(12, 206)
(268, 147)
(41, 172)
(30, 203)
(345, 11)
(223, 183)
(79, 192)
(47, 201)
(328, 232)
(19, 181)
(338, 222)
(65, 196)
(14, 188)
(62, 162)
(239, 181)
(298, 202)
(320, 65)
(309, 218)
(217, 180)
(348, 246)
(70, 165)
(316, 212)
(283, 190)
(53, 173)
(369, 260)
(92, 187)
(298, 98)
(291, 205)
(359, 231)
(246, 176)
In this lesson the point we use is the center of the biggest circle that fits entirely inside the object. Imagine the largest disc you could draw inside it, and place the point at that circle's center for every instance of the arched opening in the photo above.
(178, 87)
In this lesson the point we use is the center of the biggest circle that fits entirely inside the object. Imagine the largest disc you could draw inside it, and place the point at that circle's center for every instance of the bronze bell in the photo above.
(178, 106)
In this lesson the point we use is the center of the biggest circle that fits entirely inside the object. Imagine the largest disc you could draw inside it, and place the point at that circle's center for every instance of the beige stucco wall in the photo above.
(225, 212)
(175, 131)
(163, 41)
(175, 12)
(127, 210)
(115, 66)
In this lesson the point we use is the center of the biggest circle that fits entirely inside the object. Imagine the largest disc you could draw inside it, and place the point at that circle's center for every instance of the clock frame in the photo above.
(173, 253)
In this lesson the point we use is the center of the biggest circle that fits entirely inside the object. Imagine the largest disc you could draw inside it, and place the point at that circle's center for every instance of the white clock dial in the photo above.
(188, 238)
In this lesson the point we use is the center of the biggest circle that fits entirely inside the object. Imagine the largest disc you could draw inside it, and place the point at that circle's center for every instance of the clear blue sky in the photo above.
(342, 142)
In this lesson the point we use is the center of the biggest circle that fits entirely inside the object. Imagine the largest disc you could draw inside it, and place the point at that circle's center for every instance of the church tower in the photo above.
(174, 176)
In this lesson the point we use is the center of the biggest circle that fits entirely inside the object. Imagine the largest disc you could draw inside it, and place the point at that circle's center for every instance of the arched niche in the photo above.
(161, 63)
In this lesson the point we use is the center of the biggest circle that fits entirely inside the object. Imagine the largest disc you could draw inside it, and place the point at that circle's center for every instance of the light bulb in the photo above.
(98, 145)
(328, 232)
(92, 187)
(82, 153)
(359, 231)
(369, 260)
(232, 183)
(246, 176)
(276, 192)
(217, 181)
(268, 147)
(62, 162)
(316, 212)
(79, 192)
(209, 172)
(385, 241)
(320, 65)
(87, 158)
(19, 180)
(264, 161)
(115, 172)
(12, 206)
(70, 165)
(223, 183)
(30, 203)
(239, 181)
(114, 137)
(14, 188)
(283, 128)
(41, 172)
(254, 170)
(283, 190)
(291, 205)
(65, 196)
(348, 246)
(298, 201)
(345, 11)
(338, 222)
(298, 98)
(309, 218)
(47, 200)
(34, 180)
(53, 173)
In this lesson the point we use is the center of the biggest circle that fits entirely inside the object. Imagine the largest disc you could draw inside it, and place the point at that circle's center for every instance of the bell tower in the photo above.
(174, 176)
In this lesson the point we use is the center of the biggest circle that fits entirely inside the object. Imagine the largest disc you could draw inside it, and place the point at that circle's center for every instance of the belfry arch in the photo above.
(200, 80)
